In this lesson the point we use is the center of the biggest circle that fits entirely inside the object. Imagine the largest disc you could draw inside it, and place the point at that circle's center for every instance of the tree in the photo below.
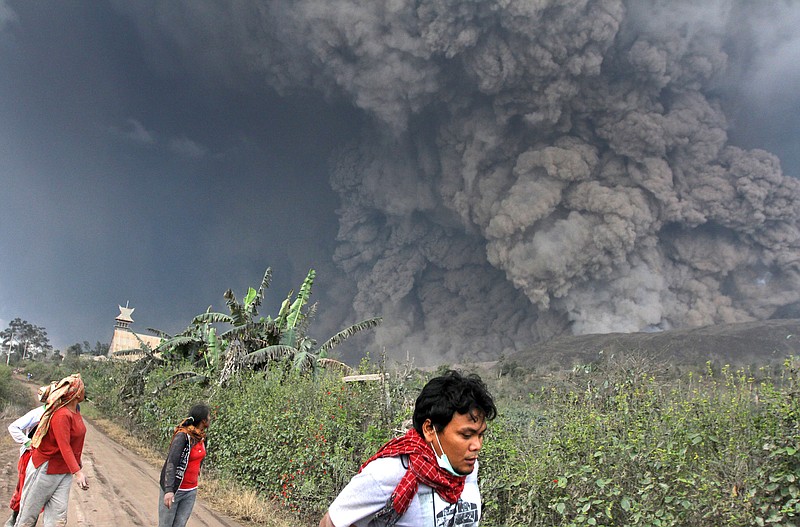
(247, 332)
(289, 339)
(23, 339)
(74, 350)
(84, 348)
(245, 327)
(132, 390)
(99, 349)
(253, 341)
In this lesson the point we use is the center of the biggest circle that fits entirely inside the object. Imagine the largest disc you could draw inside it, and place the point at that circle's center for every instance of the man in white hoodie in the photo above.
(22, 431)
(429, 476)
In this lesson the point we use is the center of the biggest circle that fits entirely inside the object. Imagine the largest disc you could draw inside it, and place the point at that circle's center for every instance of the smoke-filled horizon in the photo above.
(515, 171)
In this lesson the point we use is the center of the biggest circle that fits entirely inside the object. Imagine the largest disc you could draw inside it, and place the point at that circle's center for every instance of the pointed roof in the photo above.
(125, 313)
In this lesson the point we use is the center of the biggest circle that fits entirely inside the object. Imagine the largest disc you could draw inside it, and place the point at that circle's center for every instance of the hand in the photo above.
(80, 478)
(169, 499)
(326, 521)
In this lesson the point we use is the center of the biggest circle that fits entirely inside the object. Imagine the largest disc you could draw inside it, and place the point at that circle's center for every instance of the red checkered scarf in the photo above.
(60, 396)
(422, 468)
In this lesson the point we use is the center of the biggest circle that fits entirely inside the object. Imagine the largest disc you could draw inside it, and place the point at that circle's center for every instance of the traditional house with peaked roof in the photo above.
(125, 339)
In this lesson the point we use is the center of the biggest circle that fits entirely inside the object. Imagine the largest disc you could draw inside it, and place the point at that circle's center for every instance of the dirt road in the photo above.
(123, 489)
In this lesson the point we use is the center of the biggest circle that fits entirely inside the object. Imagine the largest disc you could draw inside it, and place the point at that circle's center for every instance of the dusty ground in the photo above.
(123, 489)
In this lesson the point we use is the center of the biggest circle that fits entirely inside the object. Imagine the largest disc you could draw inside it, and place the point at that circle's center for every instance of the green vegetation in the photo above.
(605, 445)
(14, 398)
(251, 343)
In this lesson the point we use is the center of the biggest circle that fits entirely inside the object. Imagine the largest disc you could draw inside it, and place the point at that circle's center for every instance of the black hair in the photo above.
(449, 394)
(198, 412)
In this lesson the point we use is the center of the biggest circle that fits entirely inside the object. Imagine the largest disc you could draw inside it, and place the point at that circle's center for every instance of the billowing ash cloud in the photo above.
(531, 168)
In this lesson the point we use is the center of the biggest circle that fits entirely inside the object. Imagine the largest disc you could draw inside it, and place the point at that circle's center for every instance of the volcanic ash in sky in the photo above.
(535, 168)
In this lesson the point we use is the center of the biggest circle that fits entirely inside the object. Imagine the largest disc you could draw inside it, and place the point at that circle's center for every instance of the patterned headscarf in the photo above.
(44, 391)
(188, 426)
(60, 395)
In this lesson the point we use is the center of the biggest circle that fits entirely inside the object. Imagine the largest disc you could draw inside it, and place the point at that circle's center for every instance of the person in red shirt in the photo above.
(181, 469)
(55, 460)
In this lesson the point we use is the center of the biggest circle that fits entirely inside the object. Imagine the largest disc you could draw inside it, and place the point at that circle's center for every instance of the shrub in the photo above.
(15, 399)
(774, 490)
(295, 438)
(44, 372)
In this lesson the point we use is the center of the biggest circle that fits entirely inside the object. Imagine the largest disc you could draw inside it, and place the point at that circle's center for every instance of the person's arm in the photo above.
(176, 448)
(18, 429)
(364, 495)
(326, 521)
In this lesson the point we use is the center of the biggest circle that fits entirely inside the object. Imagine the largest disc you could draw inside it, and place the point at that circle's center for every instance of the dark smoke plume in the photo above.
(530, 168)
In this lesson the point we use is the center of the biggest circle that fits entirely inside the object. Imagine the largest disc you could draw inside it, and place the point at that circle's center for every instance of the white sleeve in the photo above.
(19, 428)
(366, 493)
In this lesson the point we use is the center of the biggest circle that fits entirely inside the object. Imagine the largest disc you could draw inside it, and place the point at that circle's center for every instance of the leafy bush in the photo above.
(630, 450)
(295, 438)
(44, 372)
(14, 398)
(102, 380)
(776, 493)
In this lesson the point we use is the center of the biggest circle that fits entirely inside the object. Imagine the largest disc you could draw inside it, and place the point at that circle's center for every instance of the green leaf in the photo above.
(295, 310)
(625, 503)
(602, 482)
(349, 332)
(249, 297)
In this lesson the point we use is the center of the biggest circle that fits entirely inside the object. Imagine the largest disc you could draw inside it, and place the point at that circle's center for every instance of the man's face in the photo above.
(461, 439)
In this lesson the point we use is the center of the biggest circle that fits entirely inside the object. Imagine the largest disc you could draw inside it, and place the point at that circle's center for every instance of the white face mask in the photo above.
(443, 461)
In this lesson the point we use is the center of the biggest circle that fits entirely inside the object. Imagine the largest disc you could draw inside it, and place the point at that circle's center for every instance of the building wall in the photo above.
(125, 339)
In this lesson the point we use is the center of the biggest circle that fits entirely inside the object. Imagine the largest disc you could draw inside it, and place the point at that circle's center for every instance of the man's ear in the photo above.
(428, 432)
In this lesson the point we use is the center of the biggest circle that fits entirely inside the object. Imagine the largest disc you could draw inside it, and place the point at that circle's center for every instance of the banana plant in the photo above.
(242, 318)
(304, 354)
(132, 389)
(197, 343)
(251, 340)
(291, 316)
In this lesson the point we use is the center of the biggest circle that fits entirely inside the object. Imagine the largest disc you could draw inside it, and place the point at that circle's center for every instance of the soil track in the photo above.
(123, 488)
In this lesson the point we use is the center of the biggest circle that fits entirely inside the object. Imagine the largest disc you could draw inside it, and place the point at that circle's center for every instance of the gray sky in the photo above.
(124, 182)
(162, 152)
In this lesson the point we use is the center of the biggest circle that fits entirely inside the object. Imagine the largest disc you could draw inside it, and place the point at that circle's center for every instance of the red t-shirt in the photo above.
(62, 445)
(196, 455)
